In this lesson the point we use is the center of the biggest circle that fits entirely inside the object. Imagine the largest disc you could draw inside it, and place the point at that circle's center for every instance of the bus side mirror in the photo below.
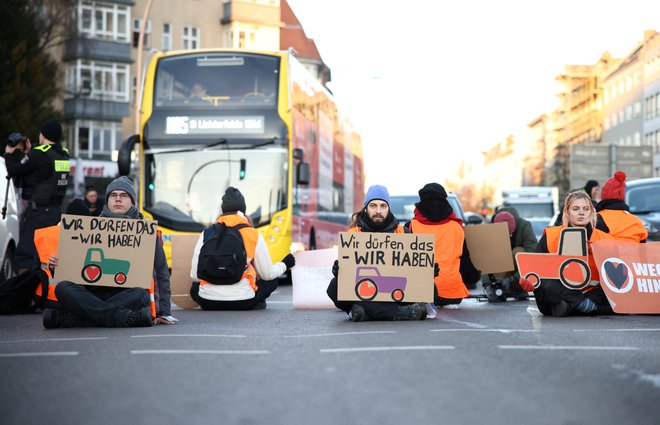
(124, 157)
(298, 154)
(302, 177)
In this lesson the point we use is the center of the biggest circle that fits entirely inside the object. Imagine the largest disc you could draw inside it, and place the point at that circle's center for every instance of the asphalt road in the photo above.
(481, 363)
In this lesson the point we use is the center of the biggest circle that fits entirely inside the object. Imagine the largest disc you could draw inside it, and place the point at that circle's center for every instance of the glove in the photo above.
(289, 261)
(436, 270)
(526, 284)
(335, 268)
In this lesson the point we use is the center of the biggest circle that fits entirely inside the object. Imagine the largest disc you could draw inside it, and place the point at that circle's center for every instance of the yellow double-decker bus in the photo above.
(253, 120)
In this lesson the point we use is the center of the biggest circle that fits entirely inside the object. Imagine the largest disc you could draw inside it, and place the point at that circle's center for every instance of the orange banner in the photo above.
(629, 275)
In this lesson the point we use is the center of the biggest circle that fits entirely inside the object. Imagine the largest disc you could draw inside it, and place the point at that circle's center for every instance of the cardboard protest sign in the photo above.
(183, 247)
(490, 247)
(310, 278)
(386, 267)
(105, 251)
(570, 265)
(629, 275)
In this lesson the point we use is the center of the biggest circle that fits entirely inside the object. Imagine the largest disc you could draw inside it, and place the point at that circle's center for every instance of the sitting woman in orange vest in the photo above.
(434, 215)
(553, 298)
(613, 210)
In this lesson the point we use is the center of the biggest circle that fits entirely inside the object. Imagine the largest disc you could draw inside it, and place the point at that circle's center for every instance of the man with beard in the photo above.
(376, 217)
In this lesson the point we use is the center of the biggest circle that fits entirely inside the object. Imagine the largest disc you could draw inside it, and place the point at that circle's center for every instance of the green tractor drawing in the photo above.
(96, 265)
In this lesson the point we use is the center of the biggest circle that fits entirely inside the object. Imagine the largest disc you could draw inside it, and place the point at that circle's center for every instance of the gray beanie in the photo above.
(121, 183)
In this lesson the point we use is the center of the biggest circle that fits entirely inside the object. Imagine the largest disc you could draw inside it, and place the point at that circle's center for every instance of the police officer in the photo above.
(44, 170)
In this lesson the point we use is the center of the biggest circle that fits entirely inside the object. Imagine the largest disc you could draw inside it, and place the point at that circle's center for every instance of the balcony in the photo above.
(78, 47)
(250, 13)
(93, 109)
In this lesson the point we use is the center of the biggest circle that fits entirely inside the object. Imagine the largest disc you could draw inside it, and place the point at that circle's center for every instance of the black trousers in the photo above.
(26, 253)
(104, 306)
(264, 289)
(551, 292)
(376, 310)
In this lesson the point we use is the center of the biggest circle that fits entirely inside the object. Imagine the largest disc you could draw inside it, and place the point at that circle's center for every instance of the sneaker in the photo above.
(561, 309)
(138, 319)
(415, 311)
(358, 314)
(260, 306)
(54, 319)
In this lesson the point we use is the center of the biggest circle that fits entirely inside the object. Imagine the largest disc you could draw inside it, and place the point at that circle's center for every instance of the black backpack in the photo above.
(222, 259)
(17, 293)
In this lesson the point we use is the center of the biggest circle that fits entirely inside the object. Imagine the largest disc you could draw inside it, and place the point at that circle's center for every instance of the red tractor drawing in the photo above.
(570, 264)
(370, 283)
(96, 265)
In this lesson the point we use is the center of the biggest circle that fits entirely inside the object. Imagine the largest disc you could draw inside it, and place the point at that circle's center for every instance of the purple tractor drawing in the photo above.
(370, 283)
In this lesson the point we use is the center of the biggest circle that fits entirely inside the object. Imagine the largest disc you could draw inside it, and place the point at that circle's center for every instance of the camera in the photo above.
(15, 139)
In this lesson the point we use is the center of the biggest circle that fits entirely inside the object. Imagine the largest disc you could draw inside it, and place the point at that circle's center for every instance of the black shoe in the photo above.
(519, 293)
(358, 314)
(561, 309)
(138, 319)
(260, 306)
(493, 295)
(54, 319)
(415, 311)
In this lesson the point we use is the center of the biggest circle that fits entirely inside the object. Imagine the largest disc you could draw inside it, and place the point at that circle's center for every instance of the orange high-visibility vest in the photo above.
(624, 226)
(250, 237)
(449, 239)
(46, 240)
(552, 238)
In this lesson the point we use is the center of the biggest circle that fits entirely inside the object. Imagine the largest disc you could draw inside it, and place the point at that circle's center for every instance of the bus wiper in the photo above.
(266, 143)
(196, 149)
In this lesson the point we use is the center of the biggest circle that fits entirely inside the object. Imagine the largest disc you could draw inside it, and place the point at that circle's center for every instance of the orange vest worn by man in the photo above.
(614, 212)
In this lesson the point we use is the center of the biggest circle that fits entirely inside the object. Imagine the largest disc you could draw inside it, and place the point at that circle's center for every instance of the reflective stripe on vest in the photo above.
(448, 249)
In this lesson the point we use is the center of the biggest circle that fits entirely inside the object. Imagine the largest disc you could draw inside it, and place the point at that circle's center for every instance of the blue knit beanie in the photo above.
(377, 192)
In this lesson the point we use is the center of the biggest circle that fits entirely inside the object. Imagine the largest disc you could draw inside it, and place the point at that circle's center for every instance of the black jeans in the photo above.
(552, 292)
(105, 306)
(33, 219)
(376, 310)
(264, 289)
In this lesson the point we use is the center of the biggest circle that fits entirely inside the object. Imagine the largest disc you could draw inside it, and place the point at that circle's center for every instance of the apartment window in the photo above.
(628, 83)
(638, 108)
(97, 80)
(96, 139)
(241, 39)
(615, 120)
(637, 139)
(136, 33)
(191, 38)
(629, 112)
(656, 108)
(104, 21)
(628, 140)
(167, 37)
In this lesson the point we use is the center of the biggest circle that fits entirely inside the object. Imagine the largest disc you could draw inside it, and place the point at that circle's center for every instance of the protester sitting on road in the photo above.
(434, 215)
(257, 275)
(78, 207)
(522, 239)
(616, 220)
(90, 305)
(375, 216)
(553, 298)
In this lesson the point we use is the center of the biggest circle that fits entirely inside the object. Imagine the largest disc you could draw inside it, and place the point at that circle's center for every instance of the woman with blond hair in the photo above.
(553, 298)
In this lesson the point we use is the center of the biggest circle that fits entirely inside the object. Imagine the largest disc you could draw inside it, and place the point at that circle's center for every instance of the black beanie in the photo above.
(77, 207)
(52, 130)
(433, 202)
(590, 185)
(233, 201)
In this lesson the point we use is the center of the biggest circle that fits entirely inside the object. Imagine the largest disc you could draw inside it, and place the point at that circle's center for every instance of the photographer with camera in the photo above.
(44, 173)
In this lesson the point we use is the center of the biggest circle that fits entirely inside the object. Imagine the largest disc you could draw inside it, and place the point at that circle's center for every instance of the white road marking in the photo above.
(340, 334)
(618, 330)
(53, 340)
(461, 322)
(43, 353)
(278, 302)
(190, 335)
(401, 348)
(200, 352)
(504, 331)
(564, 347)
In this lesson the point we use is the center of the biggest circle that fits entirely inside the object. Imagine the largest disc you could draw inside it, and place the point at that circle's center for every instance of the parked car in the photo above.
(8, 225)
(403, 208)
(643, 198)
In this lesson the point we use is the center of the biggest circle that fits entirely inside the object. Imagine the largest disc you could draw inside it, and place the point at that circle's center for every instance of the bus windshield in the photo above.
(217, 81)
(183, 190)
